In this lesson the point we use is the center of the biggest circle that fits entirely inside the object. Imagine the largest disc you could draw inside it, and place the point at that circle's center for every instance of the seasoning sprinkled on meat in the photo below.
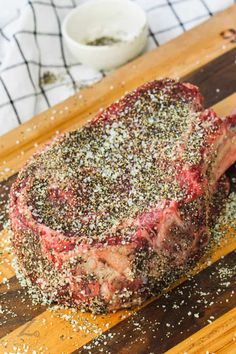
(104, 216)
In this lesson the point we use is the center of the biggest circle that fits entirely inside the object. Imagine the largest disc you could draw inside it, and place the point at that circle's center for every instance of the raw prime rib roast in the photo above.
(105, 216)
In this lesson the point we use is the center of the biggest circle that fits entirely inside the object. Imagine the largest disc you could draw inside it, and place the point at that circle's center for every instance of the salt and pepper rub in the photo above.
(105, 216)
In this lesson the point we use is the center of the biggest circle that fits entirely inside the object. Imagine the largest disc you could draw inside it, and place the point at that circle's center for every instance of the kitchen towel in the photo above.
(36, 71)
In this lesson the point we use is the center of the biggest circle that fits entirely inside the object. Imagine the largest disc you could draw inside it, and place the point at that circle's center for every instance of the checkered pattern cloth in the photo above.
(36, 71)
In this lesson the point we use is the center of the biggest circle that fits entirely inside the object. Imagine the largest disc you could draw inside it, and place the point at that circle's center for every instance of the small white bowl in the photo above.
(105, 34)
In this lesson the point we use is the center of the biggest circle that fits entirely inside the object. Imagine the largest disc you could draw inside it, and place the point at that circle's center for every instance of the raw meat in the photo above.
(105, 216)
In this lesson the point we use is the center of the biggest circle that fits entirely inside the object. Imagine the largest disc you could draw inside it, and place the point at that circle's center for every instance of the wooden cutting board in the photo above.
(195, 316)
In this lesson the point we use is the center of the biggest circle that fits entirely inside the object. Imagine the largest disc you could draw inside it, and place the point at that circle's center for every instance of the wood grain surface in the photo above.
(217, 337)
(217, 79)
(198, 313)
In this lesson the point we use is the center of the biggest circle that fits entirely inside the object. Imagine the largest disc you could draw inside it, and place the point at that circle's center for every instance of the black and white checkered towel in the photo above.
(36, 71)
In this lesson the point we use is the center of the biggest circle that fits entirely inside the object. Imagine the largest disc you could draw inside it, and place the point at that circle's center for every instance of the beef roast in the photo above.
(105, 216)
